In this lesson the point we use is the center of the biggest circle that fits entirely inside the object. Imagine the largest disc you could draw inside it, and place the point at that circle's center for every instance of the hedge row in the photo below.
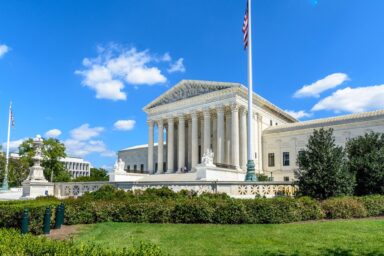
(12, 243)
(221, 211)
(11, 213)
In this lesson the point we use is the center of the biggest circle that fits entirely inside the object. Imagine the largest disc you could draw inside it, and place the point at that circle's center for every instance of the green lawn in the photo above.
(312, 238)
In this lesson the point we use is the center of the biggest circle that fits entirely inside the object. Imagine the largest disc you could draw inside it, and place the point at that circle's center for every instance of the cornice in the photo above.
(317, 123)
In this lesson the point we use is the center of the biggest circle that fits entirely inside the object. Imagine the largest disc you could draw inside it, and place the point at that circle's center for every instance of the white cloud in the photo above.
(13, 144)
(83, 148)
(298, 114)
(177, 66)
(115, 67)
(353, 100)
(125, 125)
(81, 142)
(314, 89)
(84, 132)
(53, 133)
(3, 49)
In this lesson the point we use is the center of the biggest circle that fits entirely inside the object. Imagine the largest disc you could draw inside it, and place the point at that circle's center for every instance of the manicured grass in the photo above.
(312, 238)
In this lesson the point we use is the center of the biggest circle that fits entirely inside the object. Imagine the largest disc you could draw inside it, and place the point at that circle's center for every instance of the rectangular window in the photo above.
(286, 178)
(270, 122)
(142, 167)
(135, 167)
(128, 167)
(271, 159)
(285, 158)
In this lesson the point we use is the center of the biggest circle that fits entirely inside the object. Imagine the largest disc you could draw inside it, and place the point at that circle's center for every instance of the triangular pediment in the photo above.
(188, 89)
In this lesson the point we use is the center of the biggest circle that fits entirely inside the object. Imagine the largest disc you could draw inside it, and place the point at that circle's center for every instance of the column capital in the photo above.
(150, 122)
(234, 107)
(160, 122)
(181, 117)
(170, 119)
(207, 112)
(220, 109)
(194, 114)
(243, 110)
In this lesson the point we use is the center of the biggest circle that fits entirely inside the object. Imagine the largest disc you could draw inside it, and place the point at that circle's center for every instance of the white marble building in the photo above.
(76, 166)
(194, 116)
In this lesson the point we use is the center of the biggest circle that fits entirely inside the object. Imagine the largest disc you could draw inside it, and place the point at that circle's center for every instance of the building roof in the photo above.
(186, 89)
(317, 123)
(138, 146)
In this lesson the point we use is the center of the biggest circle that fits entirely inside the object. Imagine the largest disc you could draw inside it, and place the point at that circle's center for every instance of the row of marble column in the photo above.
(230, 138)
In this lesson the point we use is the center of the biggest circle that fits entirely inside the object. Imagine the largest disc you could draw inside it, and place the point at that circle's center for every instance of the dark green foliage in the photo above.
(52, 151)
(12, 243)
(96, 174)
(366, 160)
(262, 177)
(322, 170)
(343, 208)
(11, 212)
(374, 204)
(17, 171)
(192, 211)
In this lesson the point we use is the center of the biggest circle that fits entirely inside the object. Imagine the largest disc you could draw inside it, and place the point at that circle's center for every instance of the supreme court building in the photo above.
(194, 116)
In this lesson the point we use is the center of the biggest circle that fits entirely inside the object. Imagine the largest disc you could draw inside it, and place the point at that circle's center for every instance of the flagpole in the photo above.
(250, 176)
(5, 181)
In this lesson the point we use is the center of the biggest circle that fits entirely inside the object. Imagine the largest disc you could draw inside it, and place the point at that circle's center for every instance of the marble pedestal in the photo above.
(33, 189)
(211, 173)
(114, 177)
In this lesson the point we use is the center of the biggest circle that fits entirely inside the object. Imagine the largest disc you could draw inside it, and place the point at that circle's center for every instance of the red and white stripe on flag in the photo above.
(245, 27)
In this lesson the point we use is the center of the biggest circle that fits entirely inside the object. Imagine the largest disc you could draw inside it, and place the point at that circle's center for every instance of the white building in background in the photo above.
(195, 116)
(76, 166)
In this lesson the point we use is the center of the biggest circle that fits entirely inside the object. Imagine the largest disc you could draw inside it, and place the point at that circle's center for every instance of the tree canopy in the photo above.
(53, 150)
(366, 161)
(322, 169)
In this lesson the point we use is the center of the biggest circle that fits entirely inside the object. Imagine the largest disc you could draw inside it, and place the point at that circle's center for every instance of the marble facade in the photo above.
(194, 116)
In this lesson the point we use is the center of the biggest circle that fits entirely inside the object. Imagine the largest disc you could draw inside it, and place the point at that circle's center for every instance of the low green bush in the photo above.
(11, 213)
(373, 204)
(343, 208)
(12, 243)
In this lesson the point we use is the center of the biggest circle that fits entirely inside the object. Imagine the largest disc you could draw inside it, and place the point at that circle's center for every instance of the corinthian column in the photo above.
(194, 141)
(150, 146)
(181, 147)
(235, 135)
(160, 140)
(170, 153)
(207, 130)
(243, 139)
(228, 142)
(220, 135)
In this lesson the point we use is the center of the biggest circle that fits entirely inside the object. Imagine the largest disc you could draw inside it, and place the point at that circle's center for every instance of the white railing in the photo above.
(234, 189)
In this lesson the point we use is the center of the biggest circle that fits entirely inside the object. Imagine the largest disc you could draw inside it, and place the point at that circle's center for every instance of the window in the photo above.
(270, 122)
(271, 159)
(142, 167)
(135, 167)
(285, 158)
(276, 124)
(128, 167)
(286, 178)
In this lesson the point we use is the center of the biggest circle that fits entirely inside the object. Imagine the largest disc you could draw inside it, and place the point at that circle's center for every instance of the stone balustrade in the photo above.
(234, 189)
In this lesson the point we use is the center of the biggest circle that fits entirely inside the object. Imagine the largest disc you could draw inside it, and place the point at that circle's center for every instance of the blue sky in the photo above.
(85, 69)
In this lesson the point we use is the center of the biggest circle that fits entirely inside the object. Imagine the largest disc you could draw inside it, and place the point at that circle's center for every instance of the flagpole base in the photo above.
(5, 186)
(251, 175)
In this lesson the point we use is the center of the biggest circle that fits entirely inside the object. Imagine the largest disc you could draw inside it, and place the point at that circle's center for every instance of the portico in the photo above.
(195, 116)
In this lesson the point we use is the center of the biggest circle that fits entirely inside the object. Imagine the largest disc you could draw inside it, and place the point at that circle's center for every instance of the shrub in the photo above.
(11, 213)
(344, 208)
(192, 211)
(230, 212)
(373, 204)
(12, 243)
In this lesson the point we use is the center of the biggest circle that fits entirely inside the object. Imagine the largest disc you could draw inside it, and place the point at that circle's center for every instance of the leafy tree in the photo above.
(97, 174)
(322, 169)
(366, 160)
(52, 151)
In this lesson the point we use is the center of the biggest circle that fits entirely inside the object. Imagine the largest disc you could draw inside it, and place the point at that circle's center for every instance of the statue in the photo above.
(207, 159)
(119, 166)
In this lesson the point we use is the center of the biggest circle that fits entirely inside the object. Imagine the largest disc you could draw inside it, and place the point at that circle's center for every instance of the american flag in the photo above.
(12, 118)
(245, 27)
